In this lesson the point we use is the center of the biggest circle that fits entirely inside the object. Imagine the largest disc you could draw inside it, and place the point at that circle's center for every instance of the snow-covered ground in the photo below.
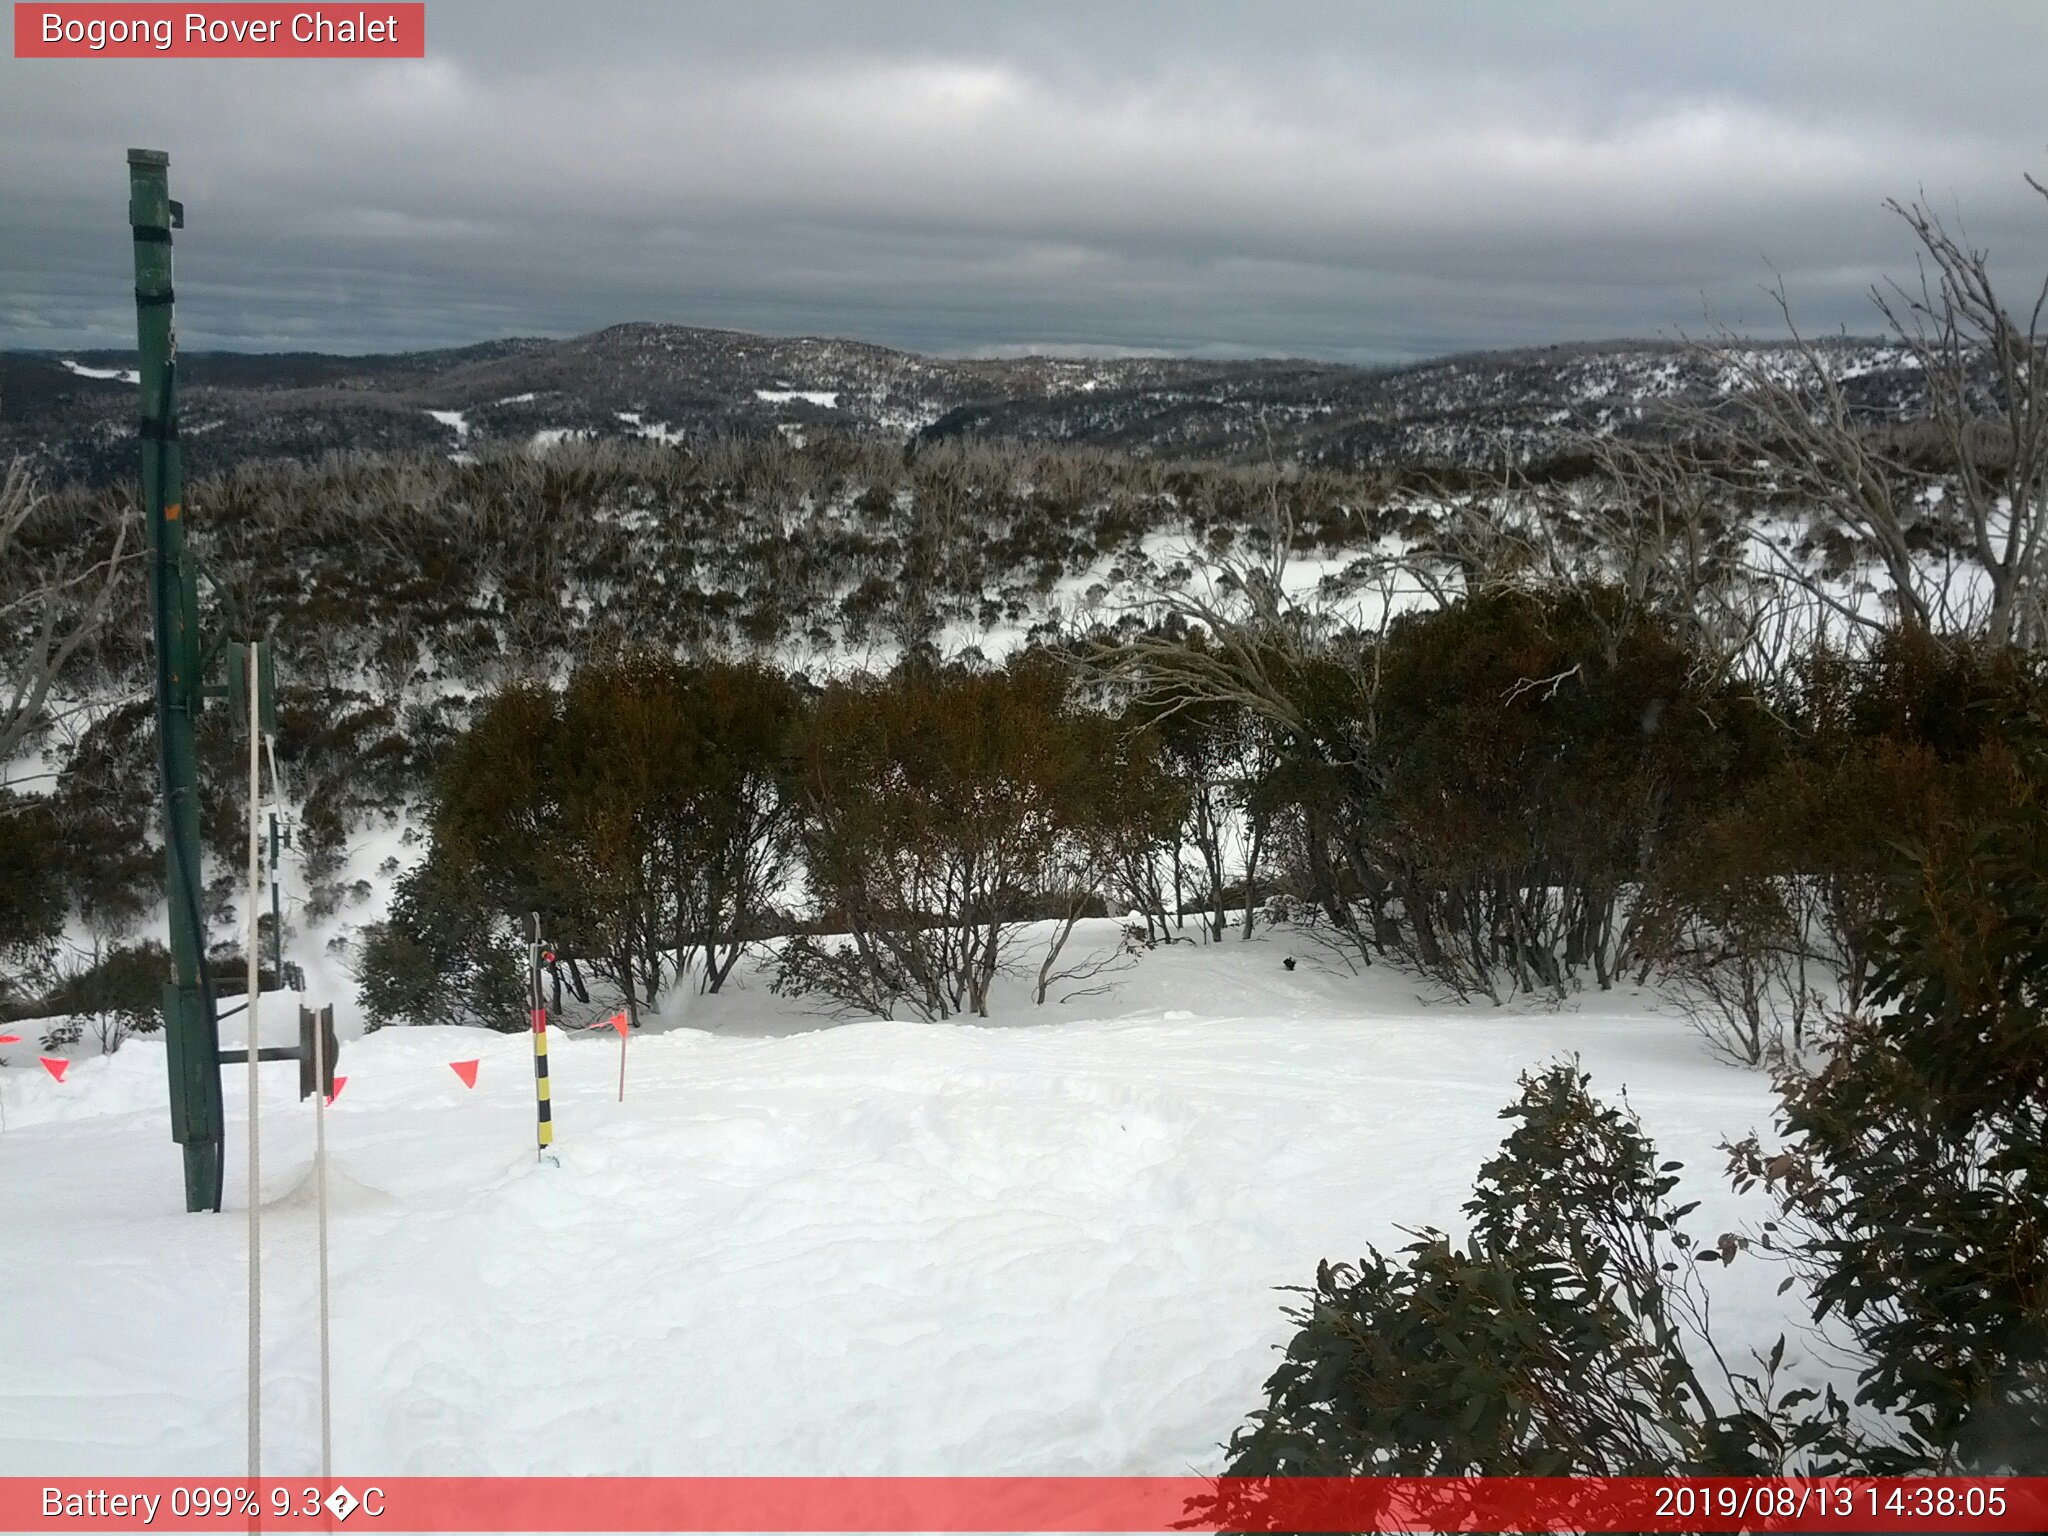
(1048, 1244)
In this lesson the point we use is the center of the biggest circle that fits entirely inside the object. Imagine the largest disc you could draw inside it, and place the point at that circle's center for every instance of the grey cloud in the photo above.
(1355, 180)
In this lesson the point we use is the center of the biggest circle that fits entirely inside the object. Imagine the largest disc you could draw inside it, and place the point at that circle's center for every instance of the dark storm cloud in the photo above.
(1355, 180)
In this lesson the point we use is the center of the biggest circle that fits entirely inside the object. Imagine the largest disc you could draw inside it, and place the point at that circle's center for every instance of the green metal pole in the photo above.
(191, 1027)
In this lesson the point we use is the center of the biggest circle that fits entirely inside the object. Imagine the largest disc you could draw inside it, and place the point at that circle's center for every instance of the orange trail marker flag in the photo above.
(56, 1066)
(10, 1039)
(619, 1022)
(466, 1070)
(338, 1083)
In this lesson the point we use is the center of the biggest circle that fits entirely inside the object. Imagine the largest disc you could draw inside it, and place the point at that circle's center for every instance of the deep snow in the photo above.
(1049, 1244)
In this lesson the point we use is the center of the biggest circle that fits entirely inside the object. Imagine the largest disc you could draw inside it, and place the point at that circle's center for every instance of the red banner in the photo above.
(985, 1504)
(117, 31)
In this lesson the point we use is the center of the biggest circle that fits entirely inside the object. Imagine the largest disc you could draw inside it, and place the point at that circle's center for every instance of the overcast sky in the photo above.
(1361, 181)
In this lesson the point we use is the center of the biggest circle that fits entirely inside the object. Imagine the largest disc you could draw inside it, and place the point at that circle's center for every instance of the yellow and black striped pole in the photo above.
(543, 1110)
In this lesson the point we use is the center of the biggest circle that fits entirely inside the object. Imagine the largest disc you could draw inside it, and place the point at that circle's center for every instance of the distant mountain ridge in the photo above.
(71, 411)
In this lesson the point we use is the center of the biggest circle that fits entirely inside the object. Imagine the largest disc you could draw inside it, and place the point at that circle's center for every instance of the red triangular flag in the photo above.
(466, 1070)
(56, 1066)
(337, 1089)
(10, 1039)
(619, 1022)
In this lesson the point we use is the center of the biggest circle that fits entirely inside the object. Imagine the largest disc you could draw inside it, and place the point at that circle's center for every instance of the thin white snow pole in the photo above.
(320, 1186)
(255, 1142)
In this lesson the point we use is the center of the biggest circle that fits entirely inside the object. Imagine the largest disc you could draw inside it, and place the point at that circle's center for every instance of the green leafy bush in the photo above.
(118, 993)
(1567, 1336)
(440, 957)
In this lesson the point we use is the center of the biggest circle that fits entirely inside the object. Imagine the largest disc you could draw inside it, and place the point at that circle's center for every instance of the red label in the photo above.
(116, 31)
(1165, 1505)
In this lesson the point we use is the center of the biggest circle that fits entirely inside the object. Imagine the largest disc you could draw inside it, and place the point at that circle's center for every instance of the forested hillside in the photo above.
(71, 414)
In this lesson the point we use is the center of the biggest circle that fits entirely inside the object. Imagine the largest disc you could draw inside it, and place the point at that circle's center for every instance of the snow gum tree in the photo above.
(640, 810)
(937, 810)
(1970, 473)
(54, 600)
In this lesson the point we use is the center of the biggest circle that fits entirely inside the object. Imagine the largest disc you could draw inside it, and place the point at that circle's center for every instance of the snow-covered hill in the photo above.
(1048, 1245)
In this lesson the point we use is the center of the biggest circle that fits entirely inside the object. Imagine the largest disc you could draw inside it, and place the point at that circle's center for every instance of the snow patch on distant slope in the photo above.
(121, 375)
(659, 431)
(828, 398)
(457, 419)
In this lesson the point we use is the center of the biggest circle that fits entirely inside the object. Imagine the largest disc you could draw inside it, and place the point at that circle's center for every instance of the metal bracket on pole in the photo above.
(325, 1051)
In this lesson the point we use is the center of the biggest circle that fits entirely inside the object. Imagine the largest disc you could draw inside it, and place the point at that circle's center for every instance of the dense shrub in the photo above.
(106, 804)
(1915, 1166)
(639, 810)
(32, 894)
(938, 811)
(1765, 913)
(1536, 754)
(1482, 790)
(114, 992)
(1216, 755)
(440, 956)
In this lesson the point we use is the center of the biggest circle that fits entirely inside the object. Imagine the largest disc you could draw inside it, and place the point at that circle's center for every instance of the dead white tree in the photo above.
(1646, 522)
(1987, 402)
(1228, 630)
(1255, 635)
(49, 609)
(1978, 476)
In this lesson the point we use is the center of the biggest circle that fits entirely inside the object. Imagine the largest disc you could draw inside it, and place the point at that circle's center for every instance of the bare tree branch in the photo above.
(48, 610)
